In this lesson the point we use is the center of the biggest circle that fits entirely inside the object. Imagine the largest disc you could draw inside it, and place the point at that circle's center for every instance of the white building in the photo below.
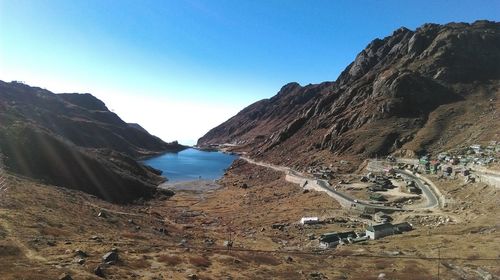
(309, 220)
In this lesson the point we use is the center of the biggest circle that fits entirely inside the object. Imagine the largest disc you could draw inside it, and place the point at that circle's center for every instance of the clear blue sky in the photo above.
(181, 67)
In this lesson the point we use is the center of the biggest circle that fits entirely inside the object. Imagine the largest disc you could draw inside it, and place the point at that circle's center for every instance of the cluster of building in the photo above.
(385, 228)
(443, 164)
(321, 172)
(372, 232)
(383, 181)
(481, 155)
(459, 161)
(379, 183)
(411, 187)
(333, 239)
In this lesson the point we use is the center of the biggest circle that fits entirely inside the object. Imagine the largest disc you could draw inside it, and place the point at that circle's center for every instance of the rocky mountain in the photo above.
(73, 140)
(409, 93)
(137, 126)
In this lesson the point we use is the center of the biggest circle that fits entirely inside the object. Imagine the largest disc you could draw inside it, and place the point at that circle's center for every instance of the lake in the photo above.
(192, 164)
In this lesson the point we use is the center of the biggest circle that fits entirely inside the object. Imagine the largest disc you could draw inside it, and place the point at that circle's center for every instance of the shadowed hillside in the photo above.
(74, 141)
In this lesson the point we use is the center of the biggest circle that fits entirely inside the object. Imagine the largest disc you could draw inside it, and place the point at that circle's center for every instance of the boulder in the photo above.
(110, 257)
(80, 253)
(99, 271)
(316, 275)
(65, 276)
(96, 238)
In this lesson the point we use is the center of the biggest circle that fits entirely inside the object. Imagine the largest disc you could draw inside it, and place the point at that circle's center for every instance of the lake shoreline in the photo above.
(191, 165)
(194, 185)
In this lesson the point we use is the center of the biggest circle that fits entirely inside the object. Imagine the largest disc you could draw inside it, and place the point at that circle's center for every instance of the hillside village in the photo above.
(462, 161)
(457, 164)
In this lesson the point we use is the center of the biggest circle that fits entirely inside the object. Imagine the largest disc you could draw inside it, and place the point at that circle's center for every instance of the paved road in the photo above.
(354, 202)
(320, 185)
(431, 193)
(431, 197)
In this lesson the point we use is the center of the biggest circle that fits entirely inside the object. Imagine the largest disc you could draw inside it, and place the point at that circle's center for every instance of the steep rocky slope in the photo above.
(74, 141)
(80, 118)
(411, 92)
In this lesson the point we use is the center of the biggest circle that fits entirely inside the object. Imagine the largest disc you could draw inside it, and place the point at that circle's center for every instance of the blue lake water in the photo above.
(192, 164)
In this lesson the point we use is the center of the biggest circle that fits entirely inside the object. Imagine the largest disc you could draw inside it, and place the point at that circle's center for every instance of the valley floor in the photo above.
(256, 210)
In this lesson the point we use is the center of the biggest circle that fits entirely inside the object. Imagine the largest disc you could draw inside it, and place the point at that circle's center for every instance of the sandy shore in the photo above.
(196, 185)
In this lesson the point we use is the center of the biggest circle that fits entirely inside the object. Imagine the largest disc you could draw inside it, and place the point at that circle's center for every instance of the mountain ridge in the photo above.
(74, 141)
(390, 99)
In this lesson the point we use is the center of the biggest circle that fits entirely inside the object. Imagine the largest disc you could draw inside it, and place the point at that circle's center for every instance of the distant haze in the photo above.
(168, 118)
(179, 68)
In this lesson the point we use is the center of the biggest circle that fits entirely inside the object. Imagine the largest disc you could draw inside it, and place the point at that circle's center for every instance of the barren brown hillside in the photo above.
(409, 93)
(48, 232)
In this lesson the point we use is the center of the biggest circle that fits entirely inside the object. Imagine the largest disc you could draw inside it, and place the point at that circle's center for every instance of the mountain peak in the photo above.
(84, 100)
(397, 94)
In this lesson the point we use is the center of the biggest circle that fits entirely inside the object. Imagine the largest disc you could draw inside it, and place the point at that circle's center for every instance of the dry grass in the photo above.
(53, 231)
(345, 252)
(409, 273)
(473, 257)
(200, 261)
(138, 264)
(133, 235)
(169, 259)
(9, 250)
(27, 275)
(204, 277)
(257, 258)
(248, 213)
(411, 268)
(381, 264)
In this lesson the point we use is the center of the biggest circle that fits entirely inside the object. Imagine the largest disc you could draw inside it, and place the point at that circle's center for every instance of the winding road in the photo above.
(345, 200)
(431, 197)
